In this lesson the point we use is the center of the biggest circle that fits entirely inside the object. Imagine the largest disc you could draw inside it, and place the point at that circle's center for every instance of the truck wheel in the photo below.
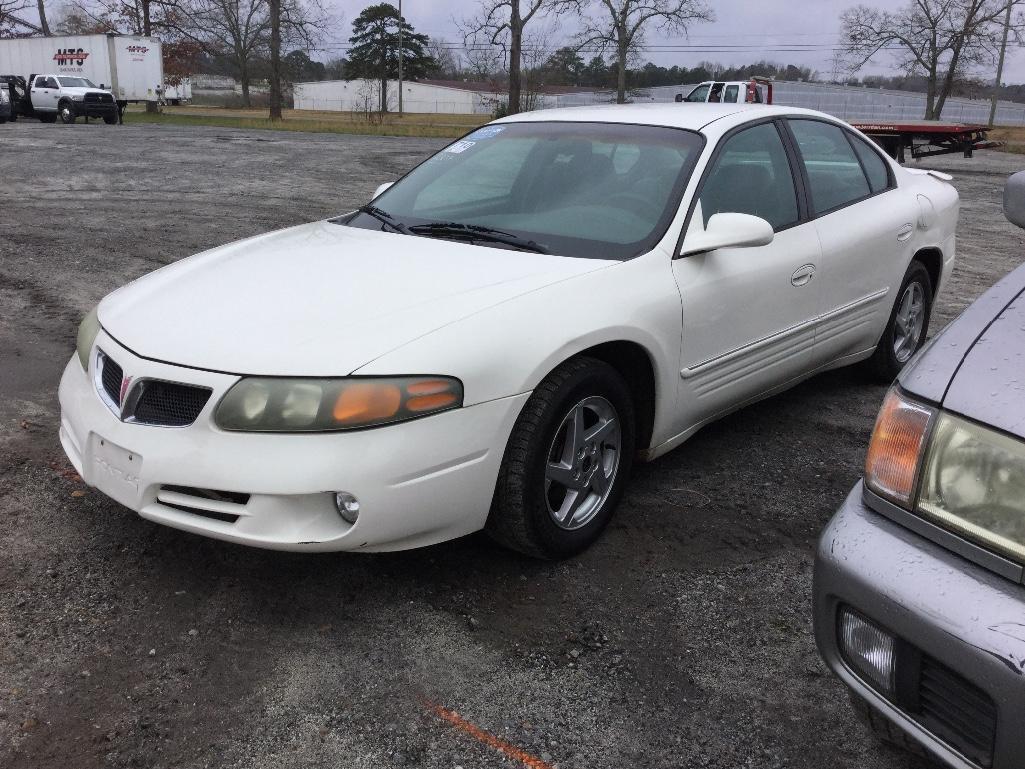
(566, 463)
(47, 117)
(67, 112)
(110, 119)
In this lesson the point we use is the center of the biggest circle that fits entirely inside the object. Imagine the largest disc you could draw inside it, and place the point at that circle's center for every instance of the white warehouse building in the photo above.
(435, 96)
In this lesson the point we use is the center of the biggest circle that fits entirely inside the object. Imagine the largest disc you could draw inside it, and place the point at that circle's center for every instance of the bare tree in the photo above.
(939, 39)
(501, 23)
(44, 25)
(8, 20)
(448, 64)
(621, 25)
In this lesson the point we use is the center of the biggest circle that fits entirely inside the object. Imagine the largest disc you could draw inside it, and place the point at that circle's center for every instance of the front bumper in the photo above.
(963, 616)
(418, 483)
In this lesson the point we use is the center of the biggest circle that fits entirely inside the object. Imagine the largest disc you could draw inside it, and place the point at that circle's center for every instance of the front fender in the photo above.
(510, 348)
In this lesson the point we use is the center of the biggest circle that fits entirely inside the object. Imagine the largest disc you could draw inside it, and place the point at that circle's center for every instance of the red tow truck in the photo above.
(898, 139)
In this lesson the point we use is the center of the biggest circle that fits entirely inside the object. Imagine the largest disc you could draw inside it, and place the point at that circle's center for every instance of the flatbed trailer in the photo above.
(925, 138)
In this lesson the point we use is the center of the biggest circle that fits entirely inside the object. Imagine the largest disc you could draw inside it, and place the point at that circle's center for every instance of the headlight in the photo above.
(260, 404)
(891, 466)
(973, 482)
(77, 97)
(87, 331)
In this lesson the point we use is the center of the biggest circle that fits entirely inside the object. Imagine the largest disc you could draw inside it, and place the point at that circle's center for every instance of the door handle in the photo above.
(905, 232)
(802, 275)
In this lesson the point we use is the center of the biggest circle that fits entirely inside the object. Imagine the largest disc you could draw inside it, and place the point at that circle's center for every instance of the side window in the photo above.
(40, 82)
(716, 93)
(834, 173)
(732, 91)
(698, 94)
(751, 175)
(51, 83)
(875, 166)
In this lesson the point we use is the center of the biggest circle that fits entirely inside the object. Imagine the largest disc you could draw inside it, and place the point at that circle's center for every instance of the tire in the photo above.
(892, 354)
(530, 494)
(66, 111)
(886, 731)
(110, 119)
(3, 120)
(46, 117)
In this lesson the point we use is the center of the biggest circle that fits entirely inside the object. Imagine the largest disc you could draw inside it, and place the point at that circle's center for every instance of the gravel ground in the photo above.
(682, 639)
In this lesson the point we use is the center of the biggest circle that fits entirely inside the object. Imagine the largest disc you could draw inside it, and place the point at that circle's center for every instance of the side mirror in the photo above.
(1014, 199)
(380, 190)
(729, 231)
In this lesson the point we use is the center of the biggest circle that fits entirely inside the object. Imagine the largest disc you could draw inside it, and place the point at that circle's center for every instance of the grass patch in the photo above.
(342, 124)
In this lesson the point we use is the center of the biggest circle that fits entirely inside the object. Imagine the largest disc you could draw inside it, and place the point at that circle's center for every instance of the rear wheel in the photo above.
(907, 327)
(66, 110)
(567, 462)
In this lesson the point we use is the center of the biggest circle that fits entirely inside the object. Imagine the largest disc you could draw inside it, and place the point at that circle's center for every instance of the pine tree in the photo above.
(375, 48)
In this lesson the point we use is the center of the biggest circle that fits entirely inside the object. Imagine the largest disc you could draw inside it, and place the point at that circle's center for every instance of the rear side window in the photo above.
(834, 173)
(751, 175)
(875, 166)
(732, 91)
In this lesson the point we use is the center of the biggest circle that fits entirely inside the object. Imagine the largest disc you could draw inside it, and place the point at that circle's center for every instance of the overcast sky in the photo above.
(801, 32)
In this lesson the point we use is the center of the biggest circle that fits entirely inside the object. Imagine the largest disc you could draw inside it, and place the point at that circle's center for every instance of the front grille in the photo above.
(956, 711)
(168, 404)
(110, 377)
(99, 98)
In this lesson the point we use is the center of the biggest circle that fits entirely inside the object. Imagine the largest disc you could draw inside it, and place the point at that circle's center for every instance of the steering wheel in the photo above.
(632, 201)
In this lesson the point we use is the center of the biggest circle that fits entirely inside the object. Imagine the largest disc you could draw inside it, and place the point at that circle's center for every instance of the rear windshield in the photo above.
(594, 190)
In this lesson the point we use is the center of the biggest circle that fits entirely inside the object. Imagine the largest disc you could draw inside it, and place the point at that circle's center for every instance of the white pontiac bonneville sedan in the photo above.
(493, 341)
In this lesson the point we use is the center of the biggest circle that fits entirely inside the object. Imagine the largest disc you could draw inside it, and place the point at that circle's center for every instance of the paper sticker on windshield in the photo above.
(462, 146)
(488, 132)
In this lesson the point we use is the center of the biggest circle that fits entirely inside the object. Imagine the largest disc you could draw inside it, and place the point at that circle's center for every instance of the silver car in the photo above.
(919, 598)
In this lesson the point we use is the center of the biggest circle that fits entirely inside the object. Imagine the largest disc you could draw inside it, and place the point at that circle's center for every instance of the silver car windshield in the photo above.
(76, 82)
(595, 190)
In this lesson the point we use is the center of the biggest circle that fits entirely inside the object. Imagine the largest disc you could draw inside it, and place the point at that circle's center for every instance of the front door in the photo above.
(749, 314)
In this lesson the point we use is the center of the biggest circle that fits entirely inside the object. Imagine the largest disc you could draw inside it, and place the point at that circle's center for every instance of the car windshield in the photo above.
(76, 82)
(594, 190)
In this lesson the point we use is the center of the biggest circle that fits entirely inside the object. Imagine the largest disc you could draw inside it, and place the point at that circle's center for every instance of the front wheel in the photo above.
(110, 119)
(47, 117)
(907, 326)
(66, 112)
(567, 462)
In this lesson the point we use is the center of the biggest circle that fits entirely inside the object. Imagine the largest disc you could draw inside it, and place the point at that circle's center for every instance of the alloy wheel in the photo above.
(909, 322)
(582, 462)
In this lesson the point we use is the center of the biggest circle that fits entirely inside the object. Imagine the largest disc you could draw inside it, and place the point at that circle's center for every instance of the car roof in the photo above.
(707, 118)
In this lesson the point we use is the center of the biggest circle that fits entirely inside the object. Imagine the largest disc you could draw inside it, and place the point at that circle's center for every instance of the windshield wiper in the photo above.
(385, 218)
(478, 232)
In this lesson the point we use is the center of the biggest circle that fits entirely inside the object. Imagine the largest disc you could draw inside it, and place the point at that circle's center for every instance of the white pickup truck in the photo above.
(728, 92)
(69, 97)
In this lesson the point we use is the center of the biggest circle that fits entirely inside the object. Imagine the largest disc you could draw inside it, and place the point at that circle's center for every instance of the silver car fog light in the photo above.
(869, 649)
(347, 506)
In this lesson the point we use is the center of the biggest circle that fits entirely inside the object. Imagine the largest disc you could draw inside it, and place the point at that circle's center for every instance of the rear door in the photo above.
(866, 227)
(749, 314)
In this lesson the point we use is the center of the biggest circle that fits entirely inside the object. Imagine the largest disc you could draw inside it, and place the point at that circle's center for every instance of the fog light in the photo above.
(347, 505)
(868, 649)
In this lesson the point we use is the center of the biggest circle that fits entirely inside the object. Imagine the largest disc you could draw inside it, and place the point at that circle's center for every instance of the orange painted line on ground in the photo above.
(487, 738)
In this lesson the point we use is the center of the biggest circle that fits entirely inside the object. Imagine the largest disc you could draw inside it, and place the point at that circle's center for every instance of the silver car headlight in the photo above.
(265, 404)
(87, 332)
(77, 97)
(973, 482)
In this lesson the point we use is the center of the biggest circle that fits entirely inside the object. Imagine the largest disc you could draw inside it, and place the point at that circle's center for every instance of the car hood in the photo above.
(82, 90)
(976, 366)
(320, 299)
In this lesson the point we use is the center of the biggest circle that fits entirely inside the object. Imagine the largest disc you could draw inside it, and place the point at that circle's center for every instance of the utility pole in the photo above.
(1000, 65)
(400, 55)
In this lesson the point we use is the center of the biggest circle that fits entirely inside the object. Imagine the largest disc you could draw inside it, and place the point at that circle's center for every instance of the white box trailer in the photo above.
(180, 93)
(131, 66)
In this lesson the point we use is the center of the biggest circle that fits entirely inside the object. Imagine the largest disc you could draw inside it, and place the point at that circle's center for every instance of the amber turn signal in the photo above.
(895, 451)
